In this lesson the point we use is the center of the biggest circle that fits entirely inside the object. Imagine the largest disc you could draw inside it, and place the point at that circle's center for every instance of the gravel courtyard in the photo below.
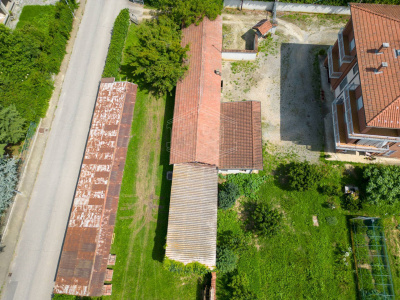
(285, 77)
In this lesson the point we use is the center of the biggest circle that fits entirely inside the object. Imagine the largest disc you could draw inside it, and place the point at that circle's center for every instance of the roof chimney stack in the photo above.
(384, 64)
(382, 47)
(385, 45)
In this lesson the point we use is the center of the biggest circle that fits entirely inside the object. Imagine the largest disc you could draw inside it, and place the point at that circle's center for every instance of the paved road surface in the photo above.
(34, 266)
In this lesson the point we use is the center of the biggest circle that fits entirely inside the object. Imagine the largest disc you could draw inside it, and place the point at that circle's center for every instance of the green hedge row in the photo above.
(182, 269)
(114, 56)
(31, 54)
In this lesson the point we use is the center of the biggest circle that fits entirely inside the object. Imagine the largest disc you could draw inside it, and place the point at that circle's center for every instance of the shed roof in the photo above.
(198, 94)
(192, 223)
(375, 24)
(263, 26)
(240, 136)
(86, 248)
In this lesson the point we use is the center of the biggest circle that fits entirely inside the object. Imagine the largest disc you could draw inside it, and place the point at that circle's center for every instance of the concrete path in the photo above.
(33, 269)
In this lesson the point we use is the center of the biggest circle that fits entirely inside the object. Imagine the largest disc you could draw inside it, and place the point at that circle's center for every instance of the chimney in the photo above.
(382, 47)
(384, 64)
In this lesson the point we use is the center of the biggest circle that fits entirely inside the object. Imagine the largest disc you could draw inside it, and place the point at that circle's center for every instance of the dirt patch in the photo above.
(284, 78)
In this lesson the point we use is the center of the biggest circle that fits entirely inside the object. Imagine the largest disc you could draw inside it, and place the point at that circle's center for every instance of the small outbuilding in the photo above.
(264, 27)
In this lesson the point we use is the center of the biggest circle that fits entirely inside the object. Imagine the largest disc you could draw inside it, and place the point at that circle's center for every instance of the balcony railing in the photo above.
(332, 73)
(343, 57)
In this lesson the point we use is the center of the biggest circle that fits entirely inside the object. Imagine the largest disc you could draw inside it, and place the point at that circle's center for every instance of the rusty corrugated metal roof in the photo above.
(87, 243)
(192, 223)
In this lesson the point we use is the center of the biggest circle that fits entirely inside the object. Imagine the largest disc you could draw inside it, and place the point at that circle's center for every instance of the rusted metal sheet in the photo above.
(85, 254)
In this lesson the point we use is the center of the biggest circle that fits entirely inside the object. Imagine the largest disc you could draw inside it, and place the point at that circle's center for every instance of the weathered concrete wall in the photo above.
(237, 55)
(295, 7)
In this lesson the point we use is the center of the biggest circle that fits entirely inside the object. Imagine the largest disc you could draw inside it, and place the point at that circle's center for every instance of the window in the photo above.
(352, 44)
(343, 83)
(355, 69)
(360, 103)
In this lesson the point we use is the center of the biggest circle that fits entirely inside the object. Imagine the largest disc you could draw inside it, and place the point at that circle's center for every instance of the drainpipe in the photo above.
(274, 12)
(241, 5)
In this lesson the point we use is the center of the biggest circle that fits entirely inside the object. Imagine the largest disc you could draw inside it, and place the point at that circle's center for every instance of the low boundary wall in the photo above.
(294, 7)
(230, 54)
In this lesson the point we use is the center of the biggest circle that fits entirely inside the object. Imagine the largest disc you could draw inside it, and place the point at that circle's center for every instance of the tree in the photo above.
(265, 221)
(303, 175)
(187, 12)
(226, 260)
(382, 184)
(8, 181)
(11, 127)
(157, 56)
(228, 195)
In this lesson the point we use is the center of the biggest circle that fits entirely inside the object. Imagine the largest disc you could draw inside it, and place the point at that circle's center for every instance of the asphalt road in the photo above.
(37, 254)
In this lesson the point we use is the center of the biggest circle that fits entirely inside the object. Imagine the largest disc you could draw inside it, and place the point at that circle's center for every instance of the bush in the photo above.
(382, 184)
(331, 190)
(114, 56)
(228, 195)
(351, 202)
(265, 221)
(235, 241)
(182, 269)
(158, 56)
(340, 2)
(226, 260)
(11, 127)
(8, 181)
(240, 288)
(248, 184)
(331, 220)
(303, 175)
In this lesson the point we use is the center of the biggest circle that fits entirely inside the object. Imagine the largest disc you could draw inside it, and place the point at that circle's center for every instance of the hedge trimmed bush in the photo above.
(182, 269)
(114, 56)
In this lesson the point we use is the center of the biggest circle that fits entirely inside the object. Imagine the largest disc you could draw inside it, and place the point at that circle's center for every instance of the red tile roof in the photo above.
(196, 120)
(263, 26)
(85, 253)
(375, 24)
(240, 136)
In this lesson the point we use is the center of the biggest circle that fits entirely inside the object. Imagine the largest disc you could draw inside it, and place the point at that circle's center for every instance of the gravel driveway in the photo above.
(285, 79)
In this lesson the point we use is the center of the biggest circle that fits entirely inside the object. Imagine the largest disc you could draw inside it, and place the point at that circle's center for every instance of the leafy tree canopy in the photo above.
(187, 12)
(382, 184)
(157, 56)
(11, 127)
(303, 175)
(266, 221)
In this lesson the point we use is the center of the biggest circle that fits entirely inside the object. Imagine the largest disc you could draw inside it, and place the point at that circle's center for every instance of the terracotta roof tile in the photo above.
(197, 101)
(263, 26)
(240, 136)
(375, 24)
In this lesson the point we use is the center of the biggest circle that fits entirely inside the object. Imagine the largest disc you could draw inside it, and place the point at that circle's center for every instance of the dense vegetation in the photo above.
(291, 258)
(157, 56)
(114, 56)
(227, 195)
(11, 127)
(29, 56)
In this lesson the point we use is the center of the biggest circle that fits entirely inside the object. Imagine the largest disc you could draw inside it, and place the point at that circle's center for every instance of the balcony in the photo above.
(344, 48)
(333, 64)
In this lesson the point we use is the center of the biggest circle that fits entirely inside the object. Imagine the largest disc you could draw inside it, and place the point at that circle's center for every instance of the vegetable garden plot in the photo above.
(371, 259)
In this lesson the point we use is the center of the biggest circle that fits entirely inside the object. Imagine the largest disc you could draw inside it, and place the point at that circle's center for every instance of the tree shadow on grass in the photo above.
(163, 209)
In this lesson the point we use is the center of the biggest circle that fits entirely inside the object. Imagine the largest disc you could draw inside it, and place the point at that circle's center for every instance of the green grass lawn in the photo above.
(302, 261)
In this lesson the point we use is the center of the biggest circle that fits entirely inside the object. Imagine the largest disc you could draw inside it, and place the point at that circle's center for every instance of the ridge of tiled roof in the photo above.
(373, 25)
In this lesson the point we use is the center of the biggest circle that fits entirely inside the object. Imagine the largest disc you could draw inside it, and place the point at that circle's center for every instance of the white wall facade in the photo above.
(238, 55)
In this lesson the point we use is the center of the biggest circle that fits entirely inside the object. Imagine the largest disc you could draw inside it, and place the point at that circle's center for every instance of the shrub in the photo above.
(331, 190)
(248, 184)
(265, 221)
(11, 127)
(158, 55)
(240, 288)
(8, 181)
(331, 220)
(303, 175)
(226, 260)
(114, 56)
(234, 241)
(351, 202)
(182, 269)
(228, 195)
(382, 184)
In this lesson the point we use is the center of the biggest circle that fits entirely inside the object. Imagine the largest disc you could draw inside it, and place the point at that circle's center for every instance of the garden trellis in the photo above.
(371, 258)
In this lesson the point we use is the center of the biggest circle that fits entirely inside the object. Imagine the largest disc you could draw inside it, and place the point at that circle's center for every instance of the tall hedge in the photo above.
(114, 56)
